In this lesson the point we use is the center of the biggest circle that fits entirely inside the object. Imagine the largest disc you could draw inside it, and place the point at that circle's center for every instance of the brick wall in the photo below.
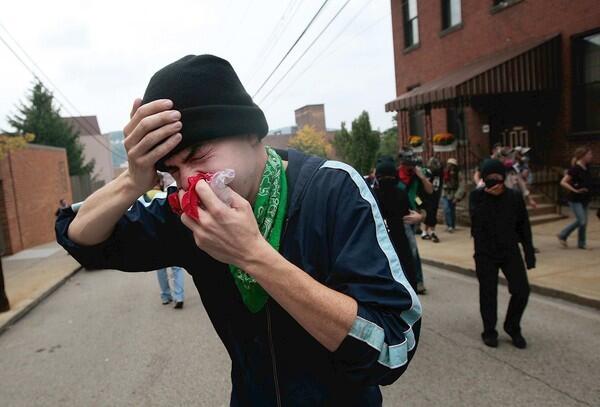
(33, 180)
(484, 33)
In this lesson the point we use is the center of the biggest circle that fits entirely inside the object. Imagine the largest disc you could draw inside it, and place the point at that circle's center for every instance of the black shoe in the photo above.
(490, 339)
(517, 339)
(425, 237)
(178, 305)
(434, 238)
(165, 302)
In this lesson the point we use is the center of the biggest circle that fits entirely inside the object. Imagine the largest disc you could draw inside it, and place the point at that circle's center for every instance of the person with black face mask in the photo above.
(499, 222)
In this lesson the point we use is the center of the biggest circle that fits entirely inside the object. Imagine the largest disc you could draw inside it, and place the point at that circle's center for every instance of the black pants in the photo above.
(518, 286)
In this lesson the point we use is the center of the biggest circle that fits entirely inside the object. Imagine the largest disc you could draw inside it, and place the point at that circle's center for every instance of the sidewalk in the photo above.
(571, 274)
(31, 275)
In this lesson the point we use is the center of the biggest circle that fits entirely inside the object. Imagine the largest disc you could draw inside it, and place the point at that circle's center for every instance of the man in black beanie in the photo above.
(295, 269)
(499, 222)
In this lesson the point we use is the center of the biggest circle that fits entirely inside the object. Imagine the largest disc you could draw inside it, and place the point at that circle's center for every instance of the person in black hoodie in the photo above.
(395, 209)
(499, 222)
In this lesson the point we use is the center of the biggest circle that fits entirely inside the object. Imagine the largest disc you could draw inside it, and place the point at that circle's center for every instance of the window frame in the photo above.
(446, 14)
(407, 23)
(577, 85)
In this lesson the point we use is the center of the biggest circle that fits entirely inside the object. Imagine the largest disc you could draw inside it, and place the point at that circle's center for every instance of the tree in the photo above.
(389, 145)
(310, 141)
(7, 144)
(40, 117)
(342, 142)
(359, 146)
(365, 143)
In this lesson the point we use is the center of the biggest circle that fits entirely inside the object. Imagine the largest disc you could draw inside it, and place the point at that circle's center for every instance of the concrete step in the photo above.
(542, 209)
(540, 219)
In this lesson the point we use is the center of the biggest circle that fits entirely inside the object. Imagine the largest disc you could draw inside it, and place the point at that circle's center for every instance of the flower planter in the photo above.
(439, 148)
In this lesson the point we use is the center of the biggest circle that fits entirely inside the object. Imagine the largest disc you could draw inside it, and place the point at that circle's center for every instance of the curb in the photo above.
(545, 291)
(22, 312)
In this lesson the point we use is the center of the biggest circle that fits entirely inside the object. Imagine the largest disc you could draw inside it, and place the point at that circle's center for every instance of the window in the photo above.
(411, 23)
(455, 122)
(416, 123)
(451, 13)
(586, 83)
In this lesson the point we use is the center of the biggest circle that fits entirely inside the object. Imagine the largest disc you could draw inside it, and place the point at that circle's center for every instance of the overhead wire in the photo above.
(312, 20)
(82, 123)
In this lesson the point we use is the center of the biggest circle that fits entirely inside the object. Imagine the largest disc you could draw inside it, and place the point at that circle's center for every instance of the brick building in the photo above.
(32, 181)
(518, 72)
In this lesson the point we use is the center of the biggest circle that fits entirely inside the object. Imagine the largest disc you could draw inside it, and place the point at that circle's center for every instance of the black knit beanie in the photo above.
(386, 167)
(211, 99)
(492, 166)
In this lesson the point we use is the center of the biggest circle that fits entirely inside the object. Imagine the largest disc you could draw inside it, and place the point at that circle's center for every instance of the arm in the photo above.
(364, 313)
(524, 232)
(565, 182)
(150, 125)
(427, 186)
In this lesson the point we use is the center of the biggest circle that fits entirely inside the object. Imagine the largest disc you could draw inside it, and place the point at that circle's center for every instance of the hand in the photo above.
(532, 202)
(150, 125)
(412, 218)
(495, 190)
(530, 261)
(229, 234)
(419, 172)
(581, 190)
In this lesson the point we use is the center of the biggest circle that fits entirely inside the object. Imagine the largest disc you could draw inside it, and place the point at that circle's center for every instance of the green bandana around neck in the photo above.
(269, 210)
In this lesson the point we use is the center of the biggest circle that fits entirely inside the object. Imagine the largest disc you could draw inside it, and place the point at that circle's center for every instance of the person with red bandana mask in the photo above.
(414, 182)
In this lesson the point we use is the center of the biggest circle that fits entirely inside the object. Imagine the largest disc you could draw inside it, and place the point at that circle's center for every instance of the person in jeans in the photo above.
(454, 191)
(435, 174)
(415, 183)
(168, 293)
(578, 181)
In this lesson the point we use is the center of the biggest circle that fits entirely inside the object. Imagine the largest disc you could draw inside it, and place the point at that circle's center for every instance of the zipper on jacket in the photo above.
(272, 349)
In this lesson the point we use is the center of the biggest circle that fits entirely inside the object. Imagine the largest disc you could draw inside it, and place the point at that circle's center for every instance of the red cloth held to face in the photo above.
(189, 201)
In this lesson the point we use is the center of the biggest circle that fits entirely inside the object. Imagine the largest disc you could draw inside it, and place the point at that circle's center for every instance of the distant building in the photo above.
(311, 115)
(96, 146)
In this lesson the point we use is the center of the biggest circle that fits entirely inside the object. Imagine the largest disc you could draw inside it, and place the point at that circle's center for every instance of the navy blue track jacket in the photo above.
(334, 232)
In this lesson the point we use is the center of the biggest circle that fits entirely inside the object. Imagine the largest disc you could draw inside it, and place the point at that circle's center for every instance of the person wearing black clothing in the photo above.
(578, 181)
(499, 222)
(395, 209)
(435, 175)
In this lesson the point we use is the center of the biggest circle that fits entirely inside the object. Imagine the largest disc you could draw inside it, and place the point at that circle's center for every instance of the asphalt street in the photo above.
(105, 339)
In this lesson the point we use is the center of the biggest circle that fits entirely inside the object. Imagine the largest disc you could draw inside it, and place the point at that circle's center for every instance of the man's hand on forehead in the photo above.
(151, 133)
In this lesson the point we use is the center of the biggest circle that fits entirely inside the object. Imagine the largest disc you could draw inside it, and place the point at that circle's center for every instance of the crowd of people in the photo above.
(409, 194)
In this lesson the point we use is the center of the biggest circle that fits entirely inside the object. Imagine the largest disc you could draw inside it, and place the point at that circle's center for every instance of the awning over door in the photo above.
(529, 67)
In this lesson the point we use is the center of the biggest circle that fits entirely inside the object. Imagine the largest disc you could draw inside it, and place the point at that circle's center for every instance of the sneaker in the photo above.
(165, 302)
(178, 305)
(562, 242)
(425, 236)
(517, 339)
(490, 339)
(450, 230)
(421, 288)
(434, 238)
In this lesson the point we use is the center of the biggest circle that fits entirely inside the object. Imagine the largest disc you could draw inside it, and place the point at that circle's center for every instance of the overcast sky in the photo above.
(101, 54)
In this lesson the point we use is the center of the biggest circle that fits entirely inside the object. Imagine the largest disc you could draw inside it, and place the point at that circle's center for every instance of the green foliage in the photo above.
(310, 141)
(39, 116)
(359, 146)
(389, 143)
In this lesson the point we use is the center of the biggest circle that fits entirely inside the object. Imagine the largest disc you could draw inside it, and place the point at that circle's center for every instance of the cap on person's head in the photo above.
(407, 156)
(452, 161)
(386, 167)
(211, 99)
(492, 166)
